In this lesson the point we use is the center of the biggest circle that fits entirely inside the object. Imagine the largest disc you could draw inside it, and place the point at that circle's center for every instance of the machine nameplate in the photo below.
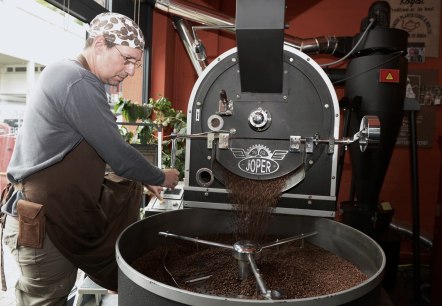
(258, 159)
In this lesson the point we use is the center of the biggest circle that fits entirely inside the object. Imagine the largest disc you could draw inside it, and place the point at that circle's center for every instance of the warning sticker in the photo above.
(389, 75)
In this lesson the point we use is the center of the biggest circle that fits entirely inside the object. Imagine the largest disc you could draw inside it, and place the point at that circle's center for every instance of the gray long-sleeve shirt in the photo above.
(69, 104)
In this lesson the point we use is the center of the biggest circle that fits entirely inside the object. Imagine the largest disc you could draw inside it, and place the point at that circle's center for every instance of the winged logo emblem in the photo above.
(258, 159)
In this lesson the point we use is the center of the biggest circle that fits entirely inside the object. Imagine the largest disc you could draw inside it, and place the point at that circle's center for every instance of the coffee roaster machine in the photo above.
(266, 109)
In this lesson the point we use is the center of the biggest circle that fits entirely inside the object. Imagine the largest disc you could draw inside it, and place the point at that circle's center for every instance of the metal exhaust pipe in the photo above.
(194, 48)
(193, 12)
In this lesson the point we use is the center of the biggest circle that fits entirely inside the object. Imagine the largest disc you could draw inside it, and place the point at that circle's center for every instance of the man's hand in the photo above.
(156, 191)
(171, 178)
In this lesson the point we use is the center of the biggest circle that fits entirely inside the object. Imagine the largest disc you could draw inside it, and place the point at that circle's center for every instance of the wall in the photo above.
(173, 76)
(131, 86)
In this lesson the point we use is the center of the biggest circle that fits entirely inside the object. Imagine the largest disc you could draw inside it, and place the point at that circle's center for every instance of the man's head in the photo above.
(114, 47)
(118, 29)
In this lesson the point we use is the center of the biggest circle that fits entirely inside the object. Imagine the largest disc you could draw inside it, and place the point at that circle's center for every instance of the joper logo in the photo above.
(258, 159)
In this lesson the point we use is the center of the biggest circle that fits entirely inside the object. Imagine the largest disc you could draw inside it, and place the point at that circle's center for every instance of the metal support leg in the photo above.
(411, 105)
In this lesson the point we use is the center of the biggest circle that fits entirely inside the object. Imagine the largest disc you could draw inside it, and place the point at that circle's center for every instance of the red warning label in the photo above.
(389, 75)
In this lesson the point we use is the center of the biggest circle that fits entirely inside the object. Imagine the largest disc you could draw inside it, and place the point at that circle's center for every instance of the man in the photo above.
(64, 212)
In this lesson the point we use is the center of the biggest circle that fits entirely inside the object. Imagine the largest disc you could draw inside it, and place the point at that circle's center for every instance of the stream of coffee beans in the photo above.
(253, 202)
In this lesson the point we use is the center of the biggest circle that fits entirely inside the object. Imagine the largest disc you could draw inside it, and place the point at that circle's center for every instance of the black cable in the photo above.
(395, 55)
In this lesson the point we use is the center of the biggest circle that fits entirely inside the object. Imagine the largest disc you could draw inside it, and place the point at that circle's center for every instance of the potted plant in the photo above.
(131, 111)
(171, 120)
(155, 113)
(134, 113)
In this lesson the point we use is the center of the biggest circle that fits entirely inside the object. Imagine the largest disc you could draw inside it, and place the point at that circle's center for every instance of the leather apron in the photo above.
(86, 210)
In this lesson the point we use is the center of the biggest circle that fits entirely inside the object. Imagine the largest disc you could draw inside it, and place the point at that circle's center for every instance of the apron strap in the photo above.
(2, 264)
(7, 191)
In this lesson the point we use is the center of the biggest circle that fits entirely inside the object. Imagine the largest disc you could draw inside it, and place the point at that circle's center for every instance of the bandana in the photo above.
(118, 29)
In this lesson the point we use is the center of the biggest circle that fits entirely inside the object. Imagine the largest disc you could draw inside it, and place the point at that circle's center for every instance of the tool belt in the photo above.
(31, 219)
(31, 231)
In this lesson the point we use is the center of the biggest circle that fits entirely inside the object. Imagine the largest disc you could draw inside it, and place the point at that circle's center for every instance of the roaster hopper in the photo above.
(262, 110)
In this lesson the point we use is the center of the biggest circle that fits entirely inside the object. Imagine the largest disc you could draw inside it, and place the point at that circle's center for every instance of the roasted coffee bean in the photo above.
(297, 272)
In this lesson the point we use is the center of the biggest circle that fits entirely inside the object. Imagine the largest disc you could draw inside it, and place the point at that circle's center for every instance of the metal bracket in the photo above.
(224, 140)
(210, 138)
(225, 107)
(295, 144)
(309, 144)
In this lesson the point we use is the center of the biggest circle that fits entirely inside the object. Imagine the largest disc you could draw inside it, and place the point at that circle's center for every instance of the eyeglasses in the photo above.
(129, 60)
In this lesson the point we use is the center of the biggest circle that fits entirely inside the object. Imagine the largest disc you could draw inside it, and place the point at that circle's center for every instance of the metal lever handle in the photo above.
(289, 239)
(206, 242)
(370, 132)
(368, 136)
(173, 150)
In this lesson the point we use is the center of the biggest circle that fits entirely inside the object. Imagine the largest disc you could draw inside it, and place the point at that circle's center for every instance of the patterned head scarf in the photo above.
(118, 29)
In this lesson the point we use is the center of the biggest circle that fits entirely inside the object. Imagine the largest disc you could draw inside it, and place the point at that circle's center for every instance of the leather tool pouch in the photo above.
(31, 219)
